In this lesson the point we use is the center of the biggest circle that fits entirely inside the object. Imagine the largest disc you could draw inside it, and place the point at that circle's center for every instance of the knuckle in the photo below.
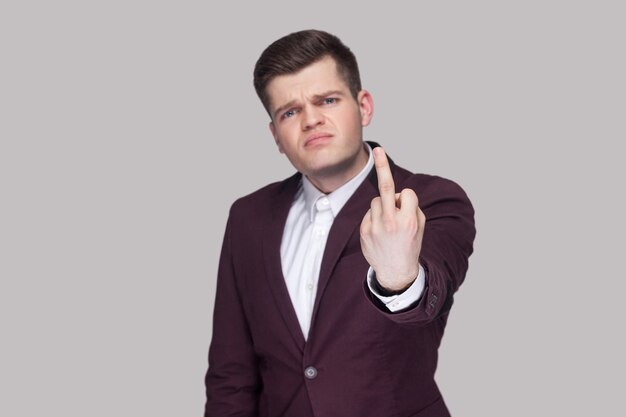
(386, 187)
(412, 225)
(389, 228)
(366, 224)
(389, 225)
(409, 193)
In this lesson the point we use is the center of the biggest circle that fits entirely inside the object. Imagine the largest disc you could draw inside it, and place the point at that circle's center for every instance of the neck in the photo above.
(330, 182)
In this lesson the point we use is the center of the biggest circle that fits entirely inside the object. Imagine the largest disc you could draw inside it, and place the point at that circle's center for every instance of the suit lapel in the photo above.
(272, 237)
(344, 226)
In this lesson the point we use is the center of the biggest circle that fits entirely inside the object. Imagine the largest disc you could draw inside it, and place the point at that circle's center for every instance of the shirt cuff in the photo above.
(401, 301)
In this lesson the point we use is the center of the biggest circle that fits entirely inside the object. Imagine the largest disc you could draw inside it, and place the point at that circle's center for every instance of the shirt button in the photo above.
(322, 204)
(310, 286)
(310, 372)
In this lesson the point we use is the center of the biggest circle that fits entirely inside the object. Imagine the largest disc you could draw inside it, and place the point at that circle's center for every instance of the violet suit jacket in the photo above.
(359, 360)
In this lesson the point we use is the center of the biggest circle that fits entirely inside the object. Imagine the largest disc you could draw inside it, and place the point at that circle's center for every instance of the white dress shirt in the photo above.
(304, 238)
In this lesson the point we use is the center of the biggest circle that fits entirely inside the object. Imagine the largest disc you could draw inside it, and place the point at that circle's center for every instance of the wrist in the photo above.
(387, 292)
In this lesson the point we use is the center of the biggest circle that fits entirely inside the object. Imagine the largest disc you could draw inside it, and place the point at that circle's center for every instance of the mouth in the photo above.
(317, 139)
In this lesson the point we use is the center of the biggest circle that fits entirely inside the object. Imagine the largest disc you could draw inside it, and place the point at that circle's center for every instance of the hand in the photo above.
(392, 231)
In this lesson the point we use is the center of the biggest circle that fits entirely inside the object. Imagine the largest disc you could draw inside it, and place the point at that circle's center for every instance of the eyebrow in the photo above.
(326, 94)
(284, 107)
(316, 97)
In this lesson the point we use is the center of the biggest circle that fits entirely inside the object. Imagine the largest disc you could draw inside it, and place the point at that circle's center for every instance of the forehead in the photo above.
(314, 79)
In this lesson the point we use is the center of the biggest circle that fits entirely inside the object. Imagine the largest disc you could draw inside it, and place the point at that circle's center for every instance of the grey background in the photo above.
(121, 123)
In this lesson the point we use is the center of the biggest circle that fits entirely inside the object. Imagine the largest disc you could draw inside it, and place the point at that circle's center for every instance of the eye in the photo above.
(329, 100)
(288, 114)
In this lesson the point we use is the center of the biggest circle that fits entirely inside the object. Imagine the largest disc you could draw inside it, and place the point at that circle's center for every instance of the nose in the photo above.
(312, 117)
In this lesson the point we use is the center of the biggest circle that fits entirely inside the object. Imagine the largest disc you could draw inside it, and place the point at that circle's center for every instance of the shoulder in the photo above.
(428, 185)
(262, 200)
(444, 203)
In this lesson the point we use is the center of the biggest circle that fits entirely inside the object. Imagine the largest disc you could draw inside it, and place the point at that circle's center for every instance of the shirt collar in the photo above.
(340, 196)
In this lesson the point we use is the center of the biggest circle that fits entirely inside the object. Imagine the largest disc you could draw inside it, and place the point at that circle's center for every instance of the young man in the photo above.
(333, 289)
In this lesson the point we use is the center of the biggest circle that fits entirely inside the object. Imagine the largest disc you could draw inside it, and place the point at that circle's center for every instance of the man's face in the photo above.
(317, 123)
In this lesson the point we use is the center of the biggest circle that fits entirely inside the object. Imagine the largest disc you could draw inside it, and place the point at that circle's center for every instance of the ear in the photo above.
(273, 130)
(366, 107)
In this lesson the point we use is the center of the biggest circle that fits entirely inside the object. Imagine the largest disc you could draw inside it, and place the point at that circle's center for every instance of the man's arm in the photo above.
(392, 230)
(439, 233)
(232, 380)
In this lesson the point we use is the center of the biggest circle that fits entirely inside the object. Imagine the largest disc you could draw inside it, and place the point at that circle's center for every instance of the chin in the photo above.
(327, 168)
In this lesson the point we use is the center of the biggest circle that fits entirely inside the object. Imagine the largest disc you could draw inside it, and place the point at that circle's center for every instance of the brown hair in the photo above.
(298, 50)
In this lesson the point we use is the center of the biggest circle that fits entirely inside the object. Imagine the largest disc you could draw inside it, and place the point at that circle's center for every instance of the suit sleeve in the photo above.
(448, 242)
(232, 380)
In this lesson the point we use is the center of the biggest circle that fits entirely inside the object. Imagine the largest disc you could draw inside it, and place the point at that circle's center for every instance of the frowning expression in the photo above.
(317, 123)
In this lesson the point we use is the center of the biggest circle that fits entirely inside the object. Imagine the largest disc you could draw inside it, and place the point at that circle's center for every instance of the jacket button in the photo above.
(310, 372)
